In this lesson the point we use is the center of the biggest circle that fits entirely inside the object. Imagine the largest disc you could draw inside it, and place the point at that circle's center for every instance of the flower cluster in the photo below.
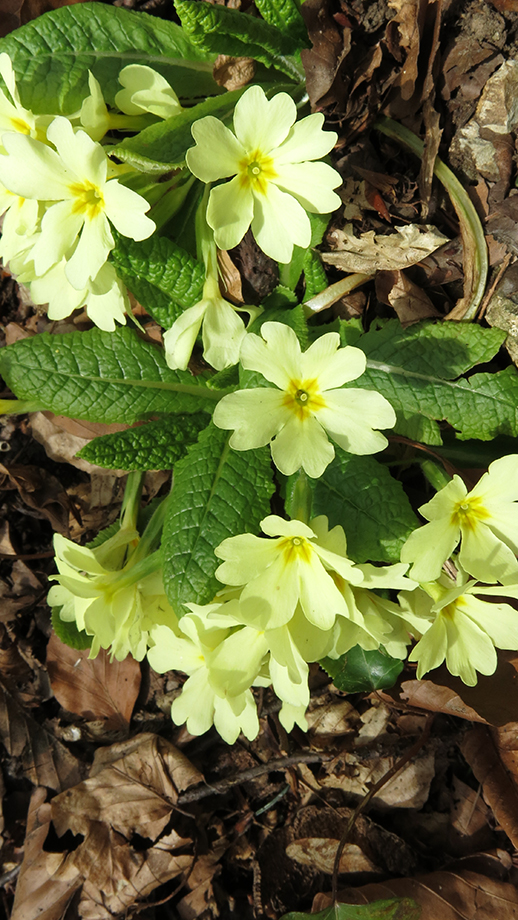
(292, 597)
(60, 194)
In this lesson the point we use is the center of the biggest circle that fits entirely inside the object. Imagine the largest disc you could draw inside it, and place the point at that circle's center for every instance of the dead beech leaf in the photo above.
(409, 788)
(481, 748)
(233, 72)
(403, 41)
(39, 490)
(320, 852)
(134, 794)
(372, 252)
(330, 47)
(442, 895)
(408, 300)
(45, 885)
(62, 438)
(43, 759)
(93, 688)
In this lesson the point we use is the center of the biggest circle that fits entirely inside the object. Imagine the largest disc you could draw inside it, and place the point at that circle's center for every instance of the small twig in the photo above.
(26, 556)
(245, 776)
(372, 792)
(399, 439)
(492, 288)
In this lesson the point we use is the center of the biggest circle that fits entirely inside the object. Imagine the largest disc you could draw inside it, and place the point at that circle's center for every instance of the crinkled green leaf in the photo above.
(69, 633)
(164, 278)
(419, 371)
(217, 493)
(163, 146)
(360, 671)
(284, 15)
(314, 274)
(155, 446)
(101, 377)
(391, 909)
(225, 31)
(360, 494)
(53, 54)
(291, 272)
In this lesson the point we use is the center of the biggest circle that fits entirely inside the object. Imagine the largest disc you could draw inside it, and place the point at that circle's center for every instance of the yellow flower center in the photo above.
(304, 398)
(20, 125)
(469, 512)
(255, 171)
(88, 199)
(293, 548)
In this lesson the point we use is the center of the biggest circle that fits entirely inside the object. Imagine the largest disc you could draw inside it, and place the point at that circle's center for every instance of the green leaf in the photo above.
(101, 377)
(391, 909)
(163, 146)
(359, 671)
(360, 494)
(217, 493)
(69, 633)
(418, 370)
(154, 446)
(291, 272)
(225, 31)
(314, 274)
(163, 277)
(284, 15)
(52, 55)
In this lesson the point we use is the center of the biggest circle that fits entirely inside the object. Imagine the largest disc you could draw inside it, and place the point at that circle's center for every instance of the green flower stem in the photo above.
(435, 474)
(133, 573)
(170, 202)
(131, 501)
(152, 532)
(299, 497)
(331, 294)
(18, 406)
(472, 233)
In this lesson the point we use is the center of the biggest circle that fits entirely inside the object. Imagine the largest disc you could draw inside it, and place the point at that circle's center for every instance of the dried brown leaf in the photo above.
(63, 438)
(330, 47)
(408, 300)
(93, 688)
(46, 885)
(320, 852)
(483, 751)
(40, 490)
(372, 252)
(233, 72)
(441, 895)
(43, 759)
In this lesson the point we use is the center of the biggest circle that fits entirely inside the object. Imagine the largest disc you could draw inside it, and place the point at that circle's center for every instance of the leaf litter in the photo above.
(107, 807)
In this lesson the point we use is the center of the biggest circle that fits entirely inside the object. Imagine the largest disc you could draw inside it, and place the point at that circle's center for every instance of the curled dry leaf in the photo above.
(441, 895)
(493, 757)
(408, 300)
(39, 490)
(93, 688)
(233, 72)
(373, 252)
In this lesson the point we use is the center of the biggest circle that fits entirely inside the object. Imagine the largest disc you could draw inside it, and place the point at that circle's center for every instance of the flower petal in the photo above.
(217, 152)
(431, 650)
(82, 157)
(229, 213)
(180, 338)
(277, 355)
(428, 547)
(302, 443)
(333, 365)
(59, 229)
(350, 416)
(484, 556)
(256, 415)
(311, 184)
(443, 503)
(223, 332)
(261, 123)
(469, 650)
(95, 243)
(279, 223)
(500, 483)
(305, 141)
(32, 169)
(126, 210)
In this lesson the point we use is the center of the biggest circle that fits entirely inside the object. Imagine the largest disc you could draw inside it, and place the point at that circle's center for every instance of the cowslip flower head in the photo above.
(74, 176)
(485, 520)
(115, 606)
(222, 334)
(105, 298)
(294, 567)
(455, 625)
(275, 183)
(308, 402)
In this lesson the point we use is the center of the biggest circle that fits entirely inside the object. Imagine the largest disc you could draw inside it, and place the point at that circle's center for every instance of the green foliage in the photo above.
(163, 276)
(52, 55)
(314, 274)
(291, 272)
(359, 671)
(360, 494)
(163, 146)
(418, 369)
(217, 493)
(101, 376)
(69, 633)
(284, 15)
(221, 30)
(391, 909)
(154, 446)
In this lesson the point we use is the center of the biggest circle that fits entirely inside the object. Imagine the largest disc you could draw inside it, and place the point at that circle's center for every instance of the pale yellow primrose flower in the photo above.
(485, 519)
(274, 184)
(115, 611)
(21, 220)
(105, 297)
(453, 624)
(295, 567)
(145, 90)
(75, 177)
(13, 116)
(307, 404)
